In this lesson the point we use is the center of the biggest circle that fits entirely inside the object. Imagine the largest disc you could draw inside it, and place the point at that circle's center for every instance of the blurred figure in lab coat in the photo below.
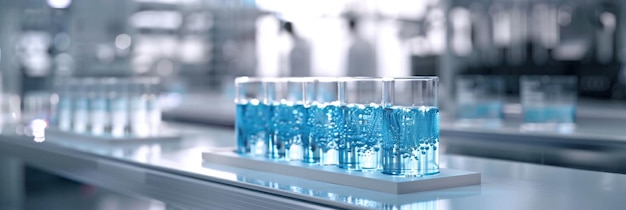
(298, 58)
(361, 54)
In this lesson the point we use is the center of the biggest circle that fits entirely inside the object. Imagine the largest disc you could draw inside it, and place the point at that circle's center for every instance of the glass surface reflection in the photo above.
(429, 205)
(343, 195)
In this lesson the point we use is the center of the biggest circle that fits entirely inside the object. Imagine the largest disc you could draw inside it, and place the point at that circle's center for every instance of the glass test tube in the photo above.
(153, 89)
(410, 145)
(64, 109)
(359, 147)
(287, 127)
(138, 108)
(10, 108)
(98, 107)
(251, 115)
(119, 106)
(109, 89)
(325, 119)
(80, 121)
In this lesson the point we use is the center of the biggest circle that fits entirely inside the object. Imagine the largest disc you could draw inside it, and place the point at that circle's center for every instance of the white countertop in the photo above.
(505, 184)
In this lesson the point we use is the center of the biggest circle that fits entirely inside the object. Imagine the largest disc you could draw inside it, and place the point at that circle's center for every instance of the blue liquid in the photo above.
(287, 129)
(410, 141)
(250, 126)
(549, 114)
(486, 110)
(326, 123)
(359, 147)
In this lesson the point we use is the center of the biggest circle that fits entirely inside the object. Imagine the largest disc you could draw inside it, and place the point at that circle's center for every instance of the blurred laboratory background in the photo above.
(199, 46)
(196, 48)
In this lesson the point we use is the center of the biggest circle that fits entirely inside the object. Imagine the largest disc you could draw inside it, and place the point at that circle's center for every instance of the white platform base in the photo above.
(373, 180)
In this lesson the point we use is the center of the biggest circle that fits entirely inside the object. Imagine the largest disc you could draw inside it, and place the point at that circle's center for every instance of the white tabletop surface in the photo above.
(505, 184)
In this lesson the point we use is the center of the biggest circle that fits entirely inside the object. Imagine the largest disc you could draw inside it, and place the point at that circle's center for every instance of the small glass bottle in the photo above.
(80, 106)
(98, 107)
(109, 86)
(63, 115)
(138, 108)
(153, 90)
(119, 107)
